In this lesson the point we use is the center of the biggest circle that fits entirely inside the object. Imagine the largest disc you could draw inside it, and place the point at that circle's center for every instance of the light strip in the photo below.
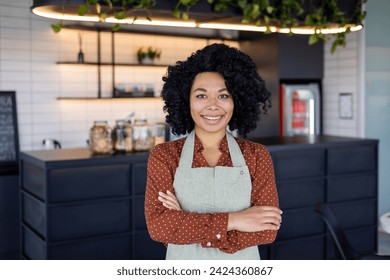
(153, 22)
(241, 27)
(192, 24)
(65, 16)
(308, 31)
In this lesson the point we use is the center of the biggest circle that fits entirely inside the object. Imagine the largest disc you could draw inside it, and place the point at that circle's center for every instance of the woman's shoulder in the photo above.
(168, 149)
(248, 146)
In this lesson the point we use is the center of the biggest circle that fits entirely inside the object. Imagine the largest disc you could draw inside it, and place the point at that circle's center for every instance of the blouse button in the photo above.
(218, 236)
(208, 244)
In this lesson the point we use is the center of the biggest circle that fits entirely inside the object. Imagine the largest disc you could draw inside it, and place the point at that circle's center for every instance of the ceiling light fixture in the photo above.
(56, 9)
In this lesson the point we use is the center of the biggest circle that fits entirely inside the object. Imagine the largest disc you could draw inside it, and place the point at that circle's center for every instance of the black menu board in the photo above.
(9, 141)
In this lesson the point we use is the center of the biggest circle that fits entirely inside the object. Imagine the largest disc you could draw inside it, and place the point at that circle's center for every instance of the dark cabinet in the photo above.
(76, 206)
(9, 216)
(339, 171)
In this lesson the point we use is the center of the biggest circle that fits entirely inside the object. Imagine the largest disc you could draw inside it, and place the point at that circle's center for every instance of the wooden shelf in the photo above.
(105, 98)
(110, 64)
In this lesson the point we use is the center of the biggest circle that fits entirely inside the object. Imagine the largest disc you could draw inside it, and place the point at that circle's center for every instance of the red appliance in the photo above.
(299, 109)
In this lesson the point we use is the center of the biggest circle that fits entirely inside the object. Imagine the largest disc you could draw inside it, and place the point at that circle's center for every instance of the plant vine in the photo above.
(282, 13)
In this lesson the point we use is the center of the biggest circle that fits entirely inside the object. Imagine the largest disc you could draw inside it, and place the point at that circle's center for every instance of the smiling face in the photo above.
(210, 102)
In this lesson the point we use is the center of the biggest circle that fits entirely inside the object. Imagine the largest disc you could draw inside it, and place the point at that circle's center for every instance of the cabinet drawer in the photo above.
(299, 223)
(356, 214)
(78, 183)
(67, 221)
(139, 174)
(352, 187)
(354, 159)
(300, 192)
(139, 213)
(308, 248)
(296, 164)
(117, 247)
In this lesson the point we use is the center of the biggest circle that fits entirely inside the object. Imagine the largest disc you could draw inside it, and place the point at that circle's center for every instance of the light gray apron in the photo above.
(211, 190)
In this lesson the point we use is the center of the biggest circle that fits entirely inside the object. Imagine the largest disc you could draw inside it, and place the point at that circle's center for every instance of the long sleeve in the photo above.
(263, 193)
(171, 226)
(179, 227)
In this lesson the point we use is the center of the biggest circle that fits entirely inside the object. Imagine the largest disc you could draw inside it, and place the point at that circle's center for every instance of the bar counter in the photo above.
(75, 205)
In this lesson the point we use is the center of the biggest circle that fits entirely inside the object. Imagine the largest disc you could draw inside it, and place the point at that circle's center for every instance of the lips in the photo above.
(212, 118)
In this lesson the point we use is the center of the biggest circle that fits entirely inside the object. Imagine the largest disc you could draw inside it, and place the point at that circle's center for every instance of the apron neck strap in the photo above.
(187, 154)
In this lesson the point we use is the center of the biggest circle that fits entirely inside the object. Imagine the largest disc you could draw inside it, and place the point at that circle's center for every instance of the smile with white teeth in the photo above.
(210, 118)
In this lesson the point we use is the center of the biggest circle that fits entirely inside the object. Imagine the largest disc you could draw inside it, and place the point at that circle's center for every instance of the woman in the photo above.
(211, 195)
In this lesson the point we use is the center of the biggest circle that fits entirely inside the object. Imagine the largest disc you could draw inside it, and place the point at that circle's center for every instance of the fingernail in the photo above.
(160, 193)
(168, 192)
(281, 212)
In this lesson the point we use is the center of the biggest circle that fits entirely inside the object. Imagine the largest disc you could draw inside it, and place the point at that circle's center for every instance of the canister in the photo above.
(100, 138)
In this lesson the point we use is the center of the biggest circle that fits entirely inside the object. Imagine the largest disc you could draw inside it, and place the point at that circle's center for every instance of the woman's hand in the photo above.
(255, 218)
(169, 200)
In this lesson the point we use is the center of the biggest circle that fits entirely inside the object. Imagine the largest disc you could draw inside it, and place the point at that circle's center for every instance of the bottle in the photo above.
(142, 135)
(100, 138)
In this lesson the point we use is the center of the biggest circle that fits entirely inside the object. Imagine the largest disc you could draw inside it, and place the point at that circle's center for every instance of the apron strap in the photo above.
(235, 151)
(187, 154)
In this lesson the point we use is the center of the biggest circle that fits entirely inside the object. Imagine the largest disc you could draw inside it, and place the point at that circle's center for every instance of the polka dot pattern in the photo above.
(179, 227)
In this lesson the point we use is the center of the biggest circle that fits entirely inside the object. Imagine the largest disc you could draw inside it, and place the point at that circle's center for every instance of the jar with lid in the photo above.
(122, 136)
(100, 138)
(158, 133)
(142, 135)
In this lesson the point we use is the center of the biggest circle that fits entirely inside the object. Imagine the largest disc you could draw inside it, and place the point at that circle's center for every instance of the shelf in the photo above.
(110, 64)
(105, 98)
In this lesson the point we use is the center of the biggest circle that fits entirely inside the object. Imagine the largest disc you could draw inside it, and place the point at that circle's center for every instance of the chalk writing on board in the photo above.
(7, 128)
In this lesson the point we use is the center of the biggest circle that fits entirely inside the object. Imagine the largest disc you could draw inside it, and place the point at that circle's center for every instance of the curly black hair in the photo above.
(247, 88)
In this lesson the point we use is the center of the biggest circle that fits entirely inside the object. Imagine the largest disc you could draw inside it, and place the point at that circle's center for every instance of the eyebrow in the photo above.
(204, 90)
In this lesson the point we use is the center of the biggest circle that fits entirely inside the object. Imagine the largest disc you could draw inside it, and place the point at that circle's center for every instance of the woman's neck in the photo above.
(210, 140)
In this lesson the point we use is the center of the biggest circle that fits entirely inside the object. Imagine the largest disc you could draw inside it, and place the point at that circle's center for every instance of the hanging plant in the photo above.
(289, 14)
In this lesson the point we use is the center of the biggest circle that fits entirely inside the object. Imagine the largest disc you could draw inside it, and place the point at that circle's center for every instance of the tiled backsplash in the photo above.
(29, 51)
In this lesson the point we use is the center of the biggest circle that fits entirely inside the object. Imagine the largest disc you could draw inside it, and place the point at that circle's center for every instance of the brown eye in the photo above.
(201, 96)
(224, 96)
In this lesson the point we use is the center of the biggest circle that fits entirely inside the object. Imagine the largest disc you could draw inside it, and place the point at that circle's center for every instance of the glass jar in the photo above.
(158, 133)
(129, 136)
(100, 140)
(118, 137)
(122, 136)
(142, 135)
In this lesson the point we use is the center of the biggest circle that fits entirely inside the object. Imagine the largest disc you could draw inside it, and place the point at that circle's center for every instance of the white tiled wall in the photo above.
(29, 50)
(341, 75)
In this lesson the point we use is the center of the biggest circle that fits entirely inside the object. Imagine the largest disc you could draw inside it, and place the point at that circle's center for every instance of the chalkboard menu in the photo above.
(9, 141)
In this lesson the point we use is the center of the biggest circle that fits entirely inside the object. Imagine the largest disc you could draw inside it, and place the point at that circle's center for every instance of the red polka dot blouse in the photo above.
(178, 227)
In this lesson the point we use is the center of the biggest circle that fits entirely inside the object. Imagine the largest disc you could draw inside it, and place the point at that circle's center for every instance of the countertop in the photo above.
(273, 144)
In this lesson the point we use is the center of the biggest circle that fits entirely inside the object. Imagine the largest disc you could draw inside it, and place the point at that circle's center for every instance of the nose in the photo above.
(211, 107)
(212, 104)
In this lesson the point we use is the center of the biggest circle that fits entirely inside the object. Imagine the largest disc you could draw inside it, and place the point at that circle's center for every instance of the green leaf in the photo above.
(270, 9)
(120, 15)
(313, 39)
(242, 4)
(82, 10)
(57, 27)
(186, 2)
(185, 16)
(116, 27)
(176, 13)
